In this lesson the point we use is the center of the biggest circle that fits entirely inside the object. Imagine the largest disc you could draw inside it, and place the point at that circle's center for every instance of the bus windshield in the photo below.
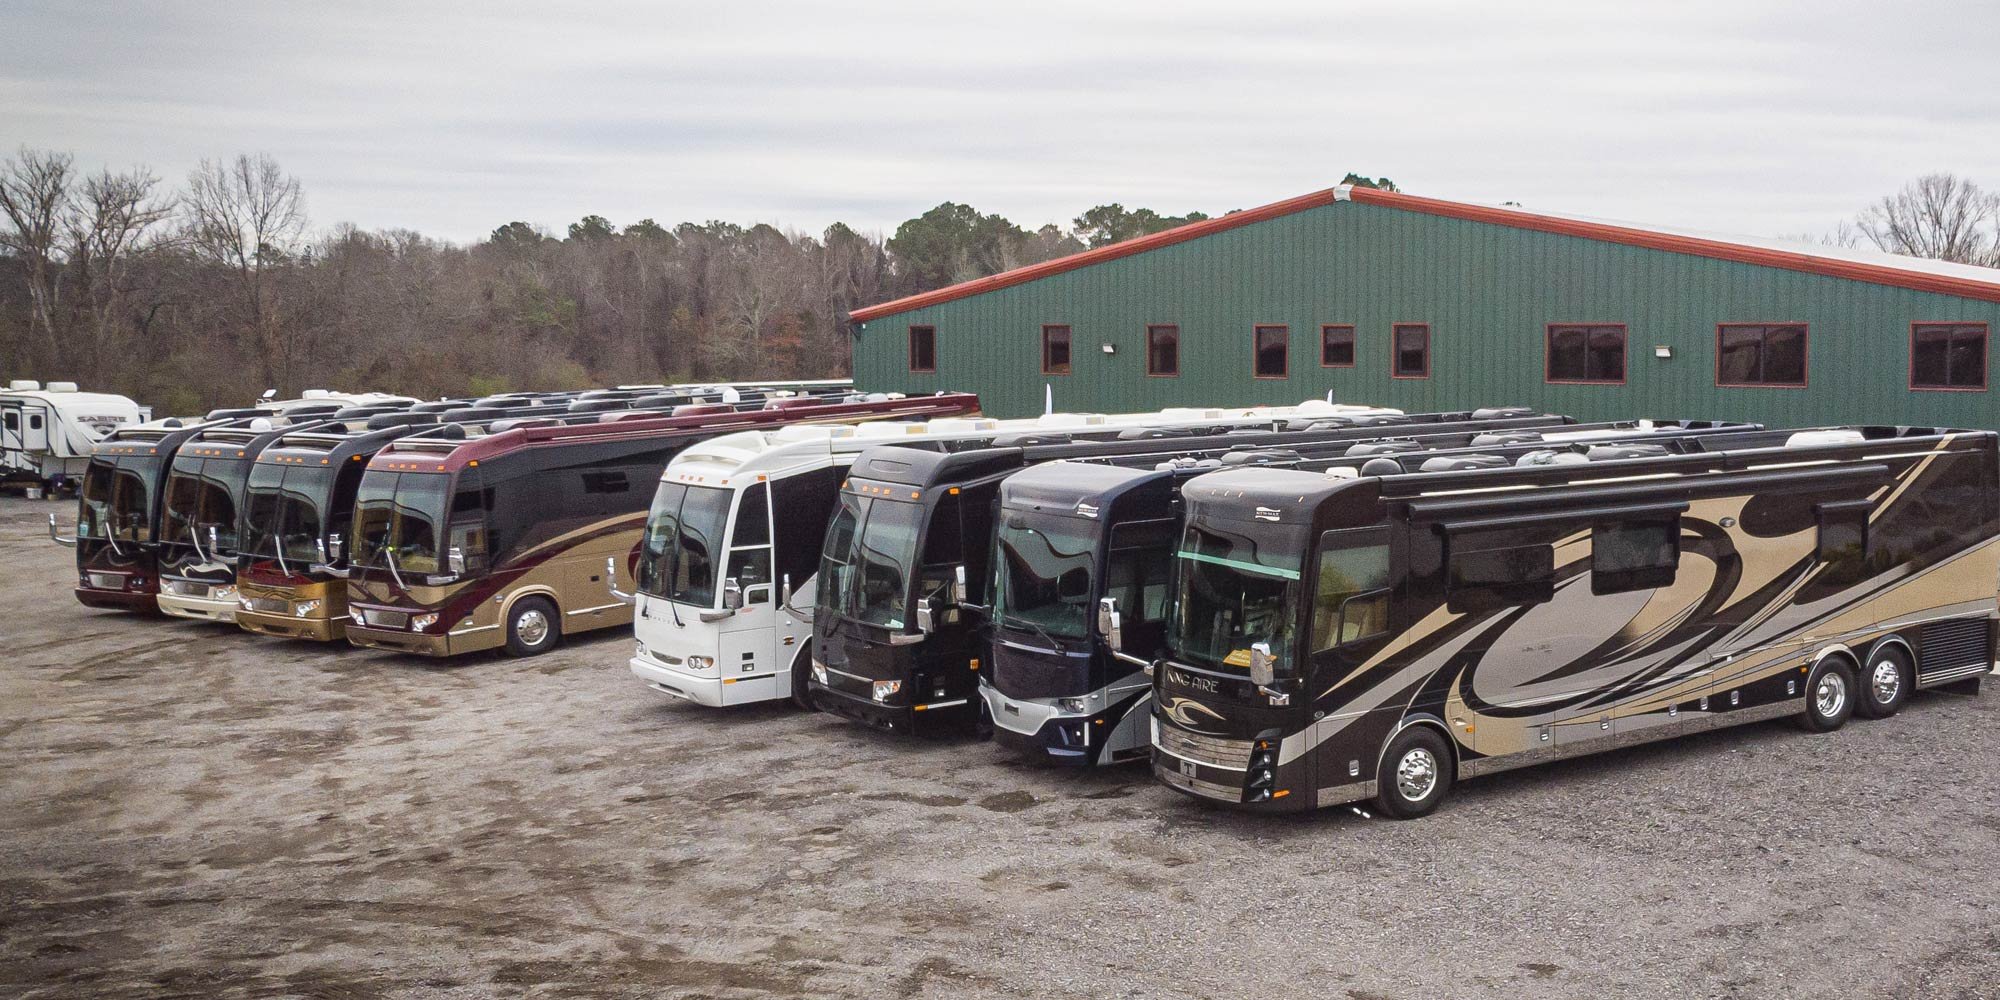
(871, 546)
(1236, 585)
(1044, 573)
(116, 499)
(683, 548)
(397, 517)
(201, 494)
(283, 512)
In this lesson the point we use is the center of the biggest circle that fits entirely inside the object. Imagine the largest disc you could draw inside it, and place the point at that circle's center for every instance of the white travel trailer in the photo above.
(726, 570)
(47, 433)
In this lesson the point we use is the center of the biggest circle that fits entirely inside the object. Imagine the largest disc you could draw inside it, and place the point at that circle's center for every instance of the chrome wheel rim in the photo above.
(1829, 694)
(1887, 682)
(1416, 774)
(532, 627)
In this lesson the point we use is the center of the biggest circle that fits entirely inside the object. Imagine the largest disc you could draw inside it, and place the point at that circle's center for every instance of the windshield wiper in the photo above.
(1040, 631)
(389, 560)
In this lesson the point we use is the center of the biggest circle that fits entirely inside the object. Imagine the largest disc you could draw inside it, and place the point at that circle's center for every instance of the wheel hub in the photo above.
(1829, 694)
(532, 627)
(1416, 774)
(1887, 682)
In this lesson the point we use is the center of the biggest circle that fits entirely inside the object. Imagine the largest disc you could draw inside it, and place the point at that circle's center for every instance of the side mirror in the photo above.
(56, 537)
(214, 543)
(1263, 666)
(958, 591)
(732, 594)
(1108, 623)
(926, 618)
(785, 591)
(611, 580)
(334, 544)
(454, 560)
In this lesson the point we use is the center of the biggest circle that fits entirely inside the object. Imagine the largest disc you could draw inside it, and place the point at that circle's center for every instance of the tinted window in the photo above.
(923, 348)
(1760, 354)
(1163, 350)
(1634, 555)
(1336, 346)
(1948, 356)
(1579, 353)
(1412, 350)
(1273, 343)
(1350, 599)
(753, 517)
(1055, 350)
(1843, 543)
(1488, 573)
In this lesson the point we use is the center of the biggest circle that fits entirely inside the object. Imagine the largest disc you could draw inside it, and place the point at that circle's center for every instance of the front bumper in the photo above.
(292, 627)
(207, 609)
(701, 690)
(420, 643)
(118, 600)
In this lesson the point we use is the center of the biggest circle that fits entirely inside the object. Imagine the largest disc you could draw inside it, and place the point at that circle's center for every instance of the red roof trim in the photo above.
(1125, 248)
(1876, 274)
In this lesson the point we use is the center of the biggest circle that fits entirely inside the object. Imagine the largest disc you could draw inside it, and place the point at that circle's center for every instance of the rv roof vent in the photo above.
(1614, 452)
(1549, 456)
(451, 432)
(62, 386)
(1029, 440)
(23, 385)
(172, 422)
(261, 424)
(379, 421)
(1504, 437)
(1266, 457)
(315, 394)
(1382, 448)
(702, 409)
(1462, 463)
(1821, 439)
(1342, 472)
(1501, 412)
(1381, 467)
(1185, 462)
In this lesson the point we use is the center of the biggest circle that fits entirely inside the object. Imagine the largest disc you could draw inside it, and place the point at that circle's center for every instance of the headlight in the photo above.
(883, 689)
(1074, 706)
(420, 622)
(304, 608)
(223, 593)
(244, 603)
(701, 662)
(819, 672)
(642, 650)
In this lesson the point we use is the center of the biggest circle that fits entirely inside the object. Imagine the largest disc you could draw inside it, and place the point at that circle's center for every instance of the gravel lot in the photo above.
(186, 810)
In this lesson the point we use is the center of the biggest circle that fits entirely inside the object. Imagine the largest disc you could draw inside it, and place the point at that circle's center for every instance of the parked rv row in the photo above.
(1276, 607)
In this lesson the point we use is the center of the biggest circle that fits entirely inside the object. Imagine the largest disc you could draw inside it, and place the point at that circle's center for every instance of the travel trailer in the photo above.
(732, 631)
(1382, 630)
(471, 541)
(46, 433)
(1070, 534)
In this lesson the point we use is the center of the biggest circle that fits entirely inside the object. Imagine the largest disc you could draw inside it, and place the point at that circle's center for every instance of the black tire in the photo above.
(1433, 773)
(801, 678)
(1884, 687)
(1830, 696)
(538, 618)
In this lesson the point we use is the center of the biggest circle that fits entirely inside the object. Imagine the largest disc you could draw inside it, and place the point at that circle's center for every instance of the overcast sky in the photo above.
(1748, 117)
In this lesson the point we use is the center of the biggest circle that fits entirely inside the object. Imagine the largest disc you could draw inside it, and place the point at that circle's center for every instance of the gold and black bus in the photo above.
(1383, 629)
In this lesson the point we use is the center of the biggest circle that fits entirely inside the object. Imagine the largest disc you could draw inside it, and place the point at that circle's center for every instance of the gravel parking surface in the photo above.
(187, 810)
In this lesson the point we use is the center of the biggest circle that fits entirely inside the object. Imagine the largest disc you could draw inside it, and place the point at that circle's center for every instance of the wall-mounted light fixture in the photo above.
(1111, 348)
(1663, 351)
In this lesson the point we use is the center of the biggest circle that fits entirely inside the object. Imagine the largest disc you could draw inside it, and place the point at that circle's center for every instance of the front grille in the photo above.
(1952, 645)
(1208, 789)
(185, 588)
(385, 619)
(107, 581)
(1213, 751)
(268, 605)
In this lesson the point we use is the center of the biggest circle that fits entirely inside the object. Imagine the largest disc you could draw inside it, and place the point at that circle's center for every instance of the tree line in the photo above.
(205, 293)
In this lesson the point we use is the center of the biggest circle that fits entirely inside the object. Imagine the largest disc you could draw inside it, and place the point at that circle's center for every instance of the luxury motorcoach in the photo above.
(905, 576)
(1381, 630)
(464, 541)
(729, 631)
(1071, 534)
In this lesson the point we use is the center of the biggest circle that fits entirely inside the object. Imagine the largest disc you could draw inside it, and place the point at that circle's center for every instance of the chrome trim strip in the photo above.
(475, 628)
(1196, 786)
(1353, 791)
(941, 704)
(1196, 760)
(1938, 677)
(844, 673)
(592, 611)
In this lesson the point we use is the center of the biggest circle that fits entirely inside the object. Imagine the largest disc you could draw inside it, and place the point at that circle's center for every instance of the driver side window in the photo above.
(1351, 593)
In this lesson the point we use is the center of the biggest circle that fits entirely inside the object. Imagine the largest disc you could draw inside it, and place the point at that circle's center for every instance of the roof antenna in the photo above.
(1048, 398)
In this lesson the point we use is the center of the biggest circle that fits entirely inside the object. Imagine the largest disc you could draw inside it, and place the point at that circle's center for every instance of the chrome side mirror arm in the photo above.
(611, 582)
(56, 537)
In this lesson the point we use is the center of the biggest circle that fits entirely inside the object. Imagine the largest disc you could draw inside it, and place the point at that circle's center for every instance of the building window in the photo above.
(1947, 355)
(1055, 350)
(923, 348)
(1579, 352)
(1274, 345)
(1336, 346)
(1411, 347)
(1163, 350)
(1760, 354)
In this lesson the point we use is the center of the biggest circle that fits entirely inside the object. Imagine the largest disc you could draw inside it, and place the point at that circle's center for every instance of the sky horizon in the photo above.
(1762, 119)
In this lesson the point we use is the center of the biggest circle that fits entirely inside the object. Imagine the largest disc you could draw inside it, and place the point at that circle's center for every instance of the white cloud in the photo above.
(454, 118)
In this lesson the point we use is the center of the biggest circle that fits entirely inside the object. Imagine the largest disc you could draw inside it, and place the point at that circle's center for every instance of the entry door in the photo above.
(12, 421)
(35, 428)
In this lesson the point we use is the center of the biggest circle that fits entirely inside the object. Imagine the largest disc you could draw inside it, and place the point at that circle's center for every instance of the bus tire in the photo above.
(1886, 683)
(533, 627)
(1415, 773)
(801, 675)
(1830, 696)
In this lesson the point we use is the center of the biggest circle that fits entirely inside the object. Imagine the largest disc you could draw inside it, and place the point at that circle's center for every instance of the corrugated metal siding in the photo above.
(1487, 292)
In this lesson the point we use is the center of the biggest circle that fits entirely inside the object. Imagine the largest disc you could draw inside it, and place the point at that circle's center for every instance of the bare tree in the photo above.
(115, 219)
(248, 215)
(35, 200)
(1938, 216)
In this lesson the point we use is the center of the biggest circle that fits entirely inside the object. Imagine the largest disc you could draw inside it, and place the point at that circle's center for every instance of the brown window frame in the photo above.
(1353, 346)
(1985, 358)
(930, 331)
(1589, 330)
(1395, 331)
(1069, 348)
(1256, 334)
(1805, 356)
(1151, 328)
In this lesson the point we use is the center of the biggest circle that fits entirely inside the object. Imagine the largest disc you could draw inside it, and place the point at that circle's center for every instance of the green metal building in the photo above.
(1391, 299)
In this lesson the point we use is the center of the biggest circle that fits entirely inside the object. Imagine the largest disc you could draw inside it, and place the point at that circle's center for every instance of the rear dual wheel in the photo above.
(1885, 682)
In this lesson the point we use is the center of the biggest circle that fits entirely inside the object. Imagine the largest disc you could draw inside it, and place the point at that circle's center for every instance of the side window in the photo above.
(34, 421)
(1486, 572)
(751, 567)
(1139, 568)
(12, 420)
(468, 525)
(923, 348)
(1411, 346)
(1351, 591)
(1843, 542)
(753, 517)
(1634, 555)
